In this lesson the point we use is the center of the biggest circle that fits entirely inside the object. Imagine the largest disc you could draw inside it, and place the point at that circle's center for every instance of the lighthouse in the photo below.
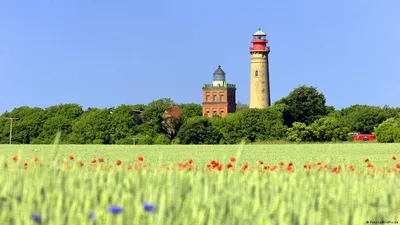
(259, 71)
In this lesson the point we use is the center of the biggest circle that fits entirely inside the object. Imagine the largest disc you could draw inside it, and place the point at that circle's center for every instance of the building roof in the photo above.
(259, 32)
(173, 111)
(219, 71)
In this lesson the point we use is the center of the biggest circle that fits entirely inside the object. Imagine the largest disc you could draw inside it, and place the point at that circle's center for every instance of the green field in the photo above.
(198, 196)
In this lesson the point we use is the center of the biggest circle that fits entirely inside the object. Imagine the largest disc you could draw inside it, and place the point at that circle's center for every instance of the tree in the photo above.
(189, 110)
(299, 132)
(93, 127)
(389, 130)
(199, 130)
(240, 106)
(122, 124)
(329, 129)
(304, 104)
(59, 118)
(363, 118)
(252, 125)
(27, 128)
(154, 116)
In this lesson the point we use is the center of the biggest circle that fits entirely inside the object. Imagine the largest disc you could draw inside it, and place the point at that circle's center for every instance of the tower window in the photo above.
(221, 98)
(207, 97)
(256, 73)
(215, 98)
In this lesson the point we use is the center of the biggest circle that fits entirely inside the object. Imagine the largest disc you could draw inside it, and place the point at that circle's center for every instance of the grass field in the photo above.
(82, 193)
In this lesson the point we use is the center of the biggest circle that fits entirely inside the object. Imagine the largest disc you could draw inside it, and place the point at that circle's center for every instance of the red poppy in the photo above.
(94, 164)
(129, 167)
(25, 164)
(394, 157)
(290, 164)
(305, 166)
(281, 163)
(93, 160)
(101, 160)
(36, 159)
(71, 157)
(334, 170)
(68, 168)
(398, 165)
(233, 159)
(370, 165)
(366, 160)
(245, 165)
(140, 158)
(220, 166)
(318, 163)
(260, 161)
(190, 161)
(266, 167)
(229, 165)
(351, 168)
(118, 162)
(79, 163)
(15, 159)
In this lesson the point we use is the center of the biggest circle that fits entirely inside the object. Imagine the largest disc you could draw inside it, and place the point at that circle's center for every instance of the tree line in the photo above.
(302, 116)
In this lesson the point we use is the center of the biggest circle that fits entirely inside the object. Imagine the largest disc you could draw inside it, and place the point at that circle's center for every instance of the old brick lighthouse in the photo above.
(259, 72)
(219, 98)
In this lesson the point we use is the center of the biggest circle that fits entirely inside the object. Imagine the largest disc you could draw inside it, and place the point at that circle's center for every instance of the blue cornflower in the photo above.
(149, 207)
(115, 210)
(36, 218)
(92, 216)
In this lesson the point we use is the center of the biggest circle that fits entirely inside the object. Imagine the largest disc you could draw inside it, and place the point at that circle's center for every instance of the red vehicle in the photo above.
(364, 137)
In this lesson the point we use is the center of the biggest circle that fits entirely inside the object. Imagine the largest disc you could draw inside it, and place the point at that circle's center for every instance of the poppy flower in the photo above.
(398, 165)
(281, 163)
(229, 166)
(366, 160)
(266, 167)
(394, 157)
(232, 159)
(101, 159)
(71, 157)
(260, 162)
(305, 166)
(15, 159)
(190, 161)
(370, 165)
(25, 164)
(118, 162)
(290, 164)
(140, 158)
(93, 160)
(245, 165)
(115, 210)
(220, 166)
(351, 168)
(318, 163)
(36, 159)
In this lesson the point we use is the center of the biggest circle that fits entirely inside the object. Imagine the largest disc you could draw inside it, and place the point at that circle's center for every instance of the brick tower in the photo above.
(259, 72)
(219, 98)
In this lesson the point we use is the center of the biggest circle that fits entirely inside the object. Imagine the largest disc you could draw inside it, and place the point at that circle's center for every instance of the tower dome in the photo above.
(219, 75)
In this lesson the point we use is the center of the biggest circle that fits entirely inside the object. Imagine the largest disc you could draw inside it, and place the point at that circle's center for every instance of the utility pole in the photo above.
(11, 119)
(134, 140)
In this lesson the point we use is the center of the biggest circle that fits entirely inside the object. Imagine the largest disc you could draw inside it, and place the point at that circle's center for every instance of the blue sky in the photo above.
(108, 53)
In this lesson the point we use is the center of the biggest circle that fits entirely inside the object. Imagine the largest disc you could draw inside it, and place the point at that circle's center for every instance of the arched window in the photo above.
(256, 73)
(215, 98)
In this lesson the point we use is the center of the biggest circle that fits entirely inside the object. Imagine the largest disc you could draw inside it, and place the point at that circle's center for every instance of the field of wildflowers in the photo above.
(236, 184)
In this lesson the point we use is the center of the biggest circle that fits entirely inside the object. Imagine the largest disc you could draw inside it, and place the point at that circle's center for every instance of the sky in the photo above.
(107, 53)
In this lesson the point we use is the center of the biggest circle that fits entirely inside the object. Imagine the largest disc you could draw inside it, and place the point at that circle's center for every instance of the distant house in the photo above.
(363, 137)
(136, 117)
(170, 115)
